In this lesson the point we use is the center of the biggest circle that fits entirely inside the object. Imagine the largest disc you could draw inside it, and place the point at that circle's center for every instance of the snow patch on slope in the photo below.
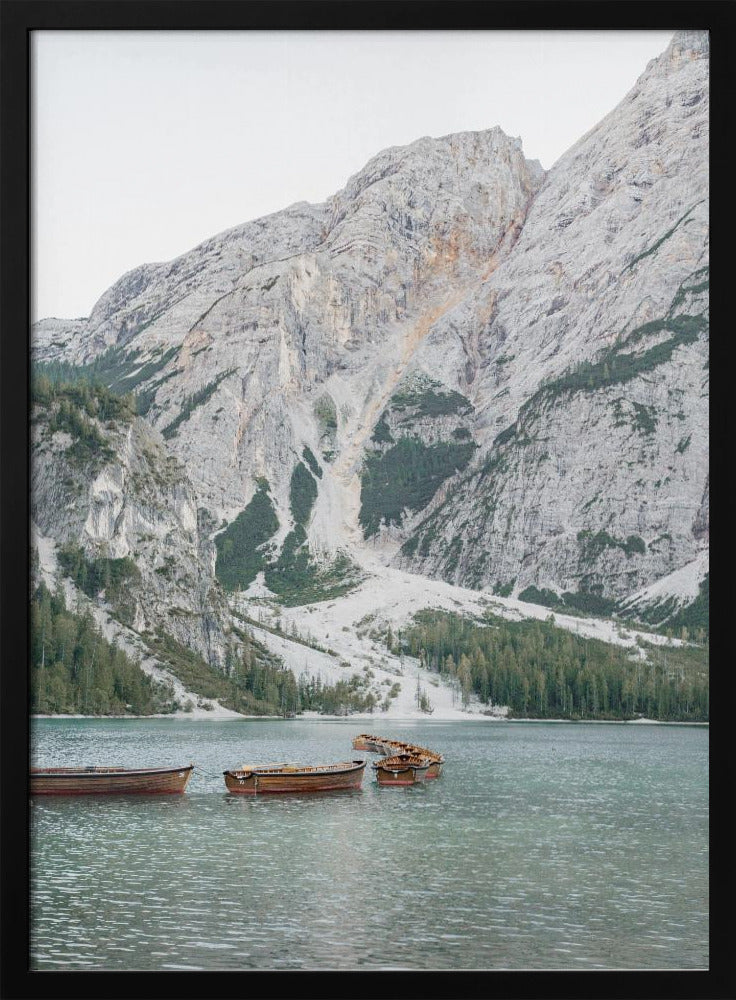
(391, 597)
(683, 584)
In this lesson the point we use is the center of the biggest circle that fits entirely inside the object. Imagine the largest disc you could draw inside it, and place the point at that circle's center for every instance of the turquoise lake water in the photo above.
(542, 846)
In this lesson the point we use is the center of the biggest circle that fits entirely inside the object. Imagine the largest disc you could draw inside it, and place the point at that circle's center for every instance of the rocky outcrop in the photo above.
(125, 521)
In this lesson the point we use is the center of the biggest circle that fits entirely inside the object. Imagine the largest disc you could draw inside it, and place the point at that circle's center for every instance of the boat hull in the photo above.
(328, 778)
(110, 780)
(405, 776)
(368, 743)
(401, 772)
(361, 743)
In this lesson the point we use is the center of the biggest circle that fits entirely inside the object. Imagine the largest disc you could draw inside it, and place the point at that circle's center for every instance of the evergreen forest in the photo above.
(542, 671)
(76, 670)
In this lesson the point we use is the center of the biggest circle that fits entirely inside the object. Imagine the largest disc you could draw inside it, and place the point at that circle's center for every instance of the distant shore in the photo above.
(361, 718)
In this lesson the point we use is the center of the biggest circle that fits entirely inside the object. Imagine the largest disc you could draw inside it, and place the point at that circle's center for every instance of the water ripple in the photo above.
(540, 847)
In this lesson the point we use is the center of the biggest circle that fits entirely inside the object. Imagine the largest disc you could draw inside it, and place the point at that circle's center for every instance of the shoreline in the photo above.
(317, 717)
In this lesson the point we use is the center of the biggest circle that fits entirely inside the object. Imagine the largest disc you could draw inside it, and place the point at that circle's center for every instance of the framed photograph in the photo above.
(359, 454)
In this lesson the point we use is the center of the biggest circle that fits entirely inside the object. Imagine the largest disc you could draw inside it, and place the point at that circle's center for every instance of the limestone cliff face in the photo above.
(500, 375)
(591, 382)
(128, 506)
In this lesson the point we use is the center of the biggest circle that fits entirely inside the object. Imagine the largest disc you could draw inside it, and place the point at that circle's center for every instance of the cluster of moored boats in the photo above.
(402, 764)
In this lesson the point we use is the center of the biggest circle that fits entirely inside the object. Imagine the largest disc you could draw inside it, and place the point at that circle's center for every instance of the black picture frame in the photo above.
(21, 17)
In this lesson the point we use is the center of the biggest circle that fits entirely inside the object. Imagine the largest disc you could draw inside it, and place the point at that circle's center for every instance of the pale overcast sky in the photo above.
(147, 143)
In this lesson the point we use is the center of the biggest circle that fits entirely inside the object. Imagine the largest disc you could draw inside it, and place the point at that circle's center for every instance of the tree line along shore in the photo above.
(534, 668)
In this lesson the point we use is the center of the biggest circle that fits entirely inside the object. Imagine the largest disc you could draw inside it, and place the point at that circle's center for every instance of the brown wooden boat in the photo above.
(389, 747)
(362, 742)
(372, 744)
(109, 780)
(254, 779)
(401, 769)
(436, 760)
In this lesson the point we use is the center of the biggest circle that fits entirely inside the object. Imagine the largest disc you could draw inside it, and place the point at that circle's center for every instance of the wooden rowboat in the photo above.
(254, 779)
(436, 760)
(363, 742)
(372, 744)
(109, 780)
(401, 769)
(393, 747)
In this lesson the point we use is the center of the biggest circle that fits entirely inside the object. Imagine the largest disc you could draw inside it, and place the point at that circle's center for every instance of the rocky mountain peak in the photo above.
(687, 44)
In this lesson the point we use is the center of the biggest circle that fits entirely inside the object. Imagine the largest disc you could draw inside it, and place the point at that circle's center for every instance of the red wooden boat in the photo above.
(110, 780)
(254, 779)
(401, 769)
